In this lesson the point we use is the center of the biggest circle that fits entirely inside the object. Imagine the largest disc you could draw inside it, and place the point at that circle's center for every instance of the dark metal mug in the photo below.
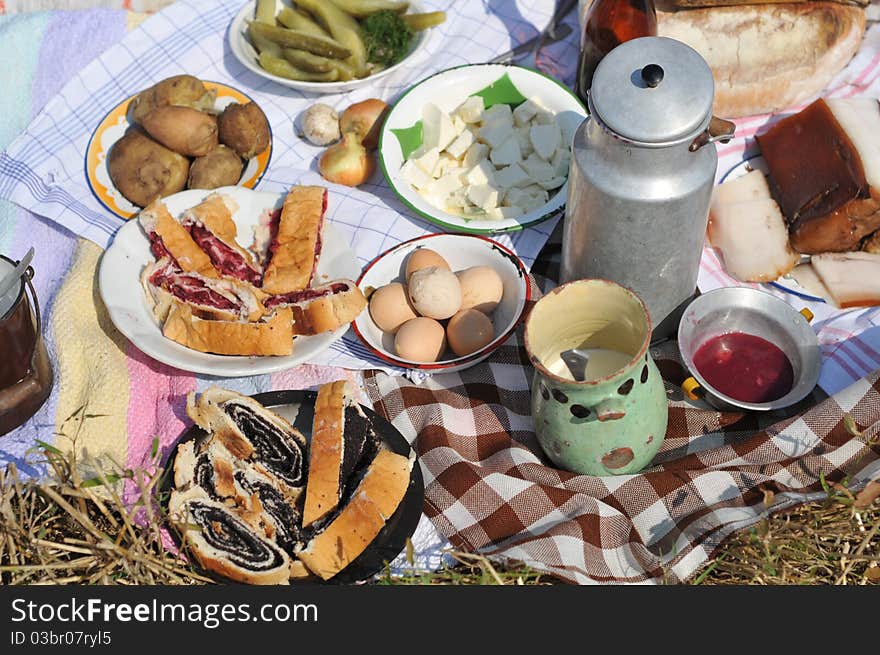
(25, 369)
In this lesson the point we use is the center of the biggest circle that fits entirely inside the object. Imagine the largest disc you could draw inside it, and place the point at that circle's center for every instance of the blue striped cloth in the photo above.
(43, 169)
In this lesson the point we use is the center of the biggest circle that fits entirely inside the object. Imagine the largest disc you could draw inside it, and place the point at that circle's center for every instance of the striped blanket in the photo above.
(111, 400)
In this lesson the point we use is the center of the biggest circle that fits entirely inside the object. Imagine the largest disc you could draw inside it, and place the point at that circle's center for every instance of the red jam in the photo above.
(745, 367)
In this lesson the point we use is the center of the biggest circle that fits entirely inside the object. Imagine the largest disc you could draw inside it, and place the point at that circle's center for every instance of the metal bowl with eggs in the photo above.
(442, 302)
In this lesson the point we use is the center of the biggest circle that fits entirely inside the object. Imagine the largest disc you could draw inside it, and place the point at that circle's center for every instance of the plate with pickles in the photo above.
(329, 46)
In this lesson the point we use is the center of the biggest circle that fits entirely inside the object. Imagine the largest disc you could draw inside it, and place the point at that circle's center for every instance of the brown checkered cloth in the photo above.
(490, 489)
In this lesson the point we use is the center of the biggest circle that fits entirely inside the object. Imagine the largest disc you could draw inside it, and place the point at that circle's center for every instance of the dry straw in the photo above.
(72, 529)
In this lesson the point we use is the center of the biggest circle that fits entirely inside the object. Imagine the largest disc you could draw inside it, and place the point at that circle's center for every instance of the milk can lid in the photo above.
(10, 298)
(653, 90)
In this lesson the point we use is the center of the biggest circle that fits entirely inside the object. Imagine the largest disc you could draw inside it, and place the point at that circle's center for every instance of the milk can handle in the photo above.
(28, 276)
(718, 130)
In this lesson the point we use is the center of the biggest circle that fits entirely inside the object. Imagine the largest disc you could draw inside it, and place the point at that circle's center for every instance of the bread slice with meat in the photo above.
(294, 243)
(211, 226)
(272, 335)
(168, 238)
(323, 308)
(210, 298)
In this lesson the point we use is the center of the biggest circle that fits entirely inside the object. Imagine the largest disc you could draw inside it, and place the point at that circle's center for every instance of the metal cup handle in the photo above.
(692, 389)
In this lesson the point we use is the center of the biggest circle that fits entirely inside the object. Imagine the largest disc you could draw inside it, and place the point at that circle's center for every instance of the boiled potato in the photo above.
(182, 129)
(244, 128)
(220, 167)
(144, 170)
(183, 90)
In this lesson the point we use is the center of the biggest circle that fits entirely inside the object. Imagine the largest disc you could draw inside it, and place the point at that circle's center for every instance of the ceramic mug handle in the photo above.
(610, 409)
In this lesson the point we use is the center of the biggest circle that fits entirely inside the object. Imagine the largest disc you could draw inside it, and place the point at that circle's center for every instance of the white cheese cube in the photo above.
(495, 135)
(462, 142)
(545, 139)
(511, 176)
(561, 161)
(497, 115)
(552, 183)
(460, 173)
(567, 128)
(470, 211)
(523, 114)
(471, 110)
(458, 124)
(525, 142)
(537, 168)
(483, 196)
(425, 158)
(445, 186)
(482, 173)
(444, 163)
(437, 128)
(510, 197)
(458, 198)
(499, 213)
(507, 153)
(476, 153)
(544, 117)
(535, 190)
(413, 174)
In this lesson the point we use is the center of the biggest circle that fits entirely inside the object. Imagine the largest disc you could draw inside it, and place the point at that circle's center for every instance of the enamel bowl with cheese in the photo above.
(478, 166)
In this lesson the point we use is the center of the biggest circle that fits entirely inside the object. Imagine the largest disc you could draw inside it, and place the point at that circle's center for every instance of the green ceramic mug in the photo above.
(613, 421)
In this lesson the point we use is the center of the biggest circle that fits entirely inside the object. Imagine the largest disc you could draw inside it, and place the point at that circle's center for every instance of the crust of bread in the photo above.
(215, 213)
(184, 465)
(271, 336)
(765, 58)
(213, 421)
(386, 481)
(373, 502)
(298, 571)
(327, 313)
(177, 241)
(325, 452)
(178, 510)
(290, 268)
(347, 536)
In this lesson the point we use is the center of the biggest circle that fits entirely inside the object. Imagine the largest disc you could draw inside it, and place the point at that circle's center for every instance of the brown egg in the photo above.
(481, 288)
(468, 331)
(390, 307)
(420, 340)
(423, 258)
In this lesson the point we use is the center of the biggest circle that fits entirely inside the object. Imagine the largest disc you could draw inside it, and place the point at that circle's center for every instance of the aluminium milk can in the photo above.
(642, 171)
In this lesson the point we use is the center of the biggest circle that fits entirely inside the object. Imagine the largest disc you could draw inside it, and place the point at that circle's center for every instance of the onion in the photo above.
(347, 162)
(364, 119)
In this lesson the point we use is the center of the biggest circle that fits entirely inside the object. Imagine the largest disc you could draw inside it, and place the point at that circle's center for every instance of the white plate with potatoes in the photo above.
(442, 302)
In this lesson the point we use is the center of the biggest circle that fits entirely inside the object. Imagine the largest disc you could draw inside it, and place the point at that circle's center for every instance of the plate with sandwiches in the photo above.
(232, 282)
(291, 486)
